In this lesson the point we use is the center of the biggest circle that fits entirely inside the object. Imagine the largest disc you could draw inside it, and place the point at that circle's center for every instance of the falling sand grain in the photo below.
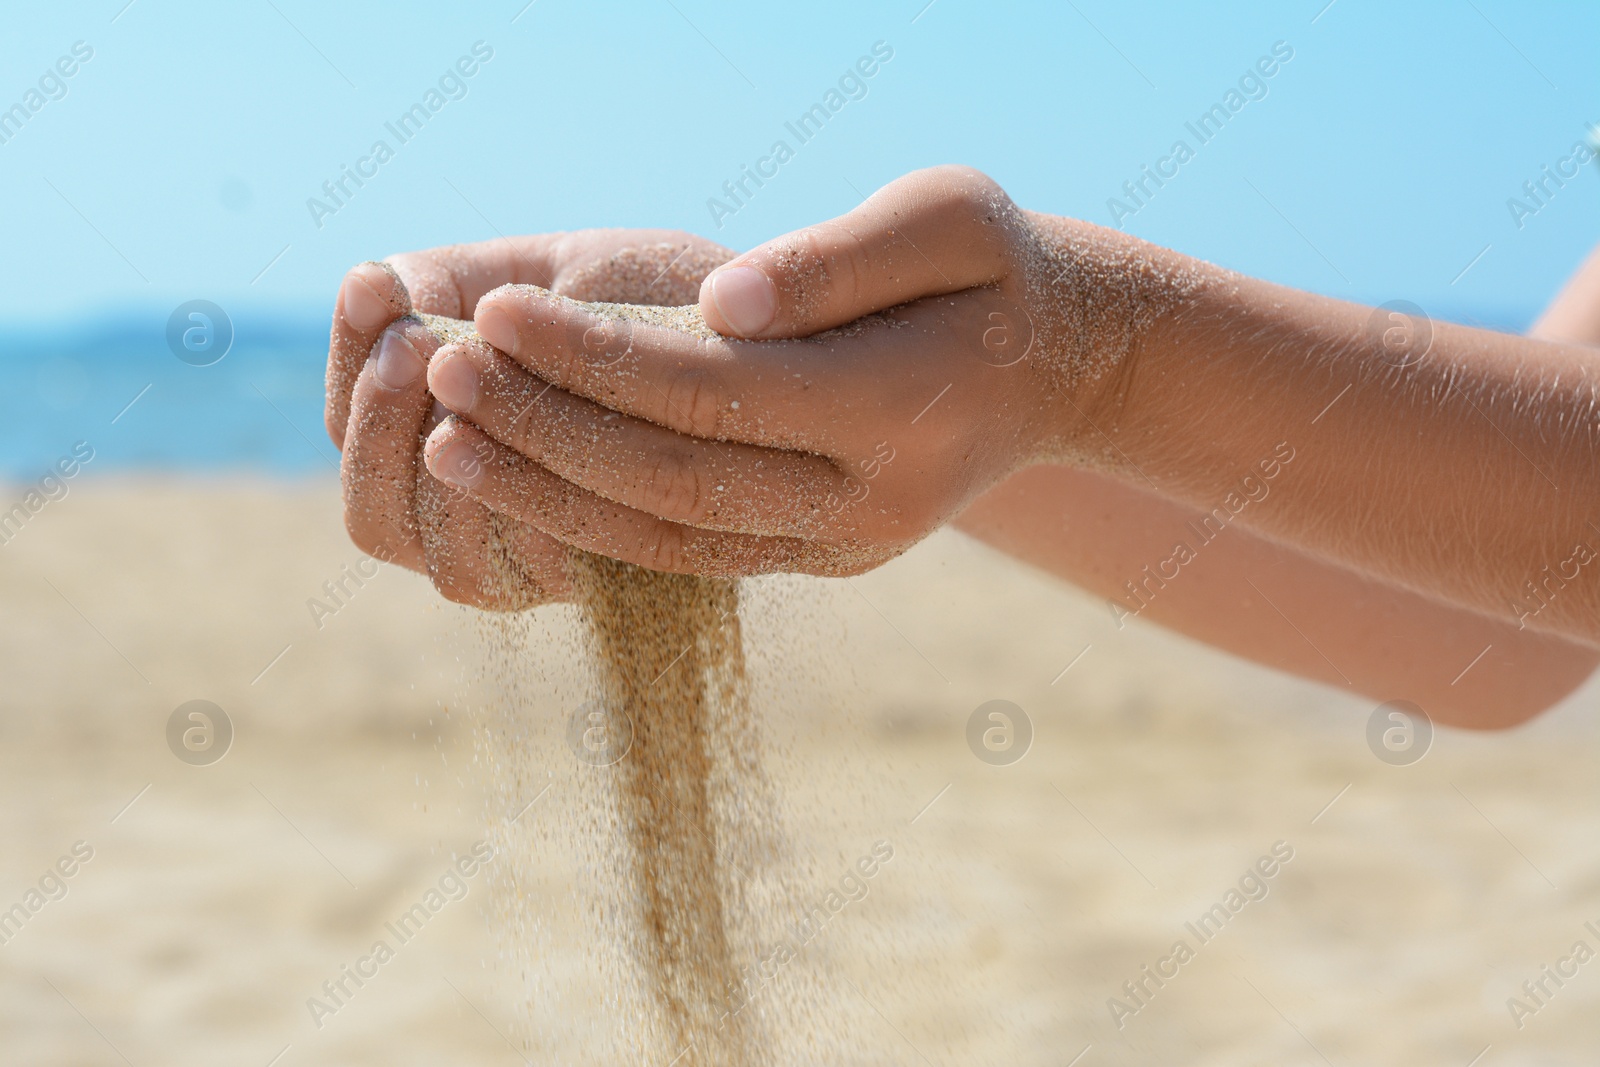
(667, 657)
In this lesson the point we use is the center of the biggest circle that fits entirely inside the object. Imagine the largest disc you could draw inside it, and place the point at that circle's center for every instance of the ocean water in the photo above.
(116, 383)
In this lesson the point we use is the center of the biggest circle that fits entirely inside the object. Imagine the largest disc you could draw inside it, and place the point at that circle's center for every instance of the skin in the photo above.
(379, 409)
(1574, 315)
(966, 401)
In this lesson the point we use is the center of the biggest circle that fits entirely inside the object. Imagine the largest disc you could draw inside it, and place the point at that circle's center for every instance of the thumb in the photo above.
(931, 232)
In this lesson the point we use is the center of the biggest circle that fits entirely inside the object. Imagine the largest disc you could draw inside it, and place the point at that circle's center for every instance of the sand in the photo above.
(1014, 906)
(668, 655)
(676, 791)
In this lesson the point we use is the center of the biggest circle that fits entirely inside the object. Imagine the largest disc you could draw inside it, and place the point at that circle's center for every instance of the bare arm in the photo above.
(1574, 315)
(1273, 604)
(1468, 471)
(1345, 628)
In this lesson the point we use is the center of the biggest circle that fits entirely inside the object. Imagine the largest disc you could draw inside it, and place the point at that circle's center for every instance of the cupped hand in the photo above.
(808, 438)
(379, 410)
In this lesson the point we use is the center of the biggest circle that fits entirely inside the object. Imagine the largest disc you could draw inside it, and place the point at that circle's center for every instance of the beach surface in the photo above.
(218, 900)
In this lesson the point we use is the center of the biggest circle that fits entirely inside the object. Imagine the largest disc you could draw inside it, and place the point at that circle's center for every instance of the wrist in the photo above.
(1098, 300)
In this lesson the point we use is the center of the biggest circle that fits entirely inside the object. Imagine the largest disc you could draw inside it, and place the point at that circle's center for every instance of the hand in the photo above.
(828, 454)
(379, 409)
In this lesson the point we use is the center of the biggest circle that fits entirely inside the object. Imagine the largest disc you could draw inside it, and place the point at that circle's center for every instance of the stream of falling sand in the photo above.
(668, 656)
(667, 649)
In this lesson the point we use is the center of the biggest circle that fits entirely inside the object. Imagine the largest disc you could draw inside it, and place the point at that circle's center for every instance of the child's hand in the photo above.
(379, 409)
(827, 455)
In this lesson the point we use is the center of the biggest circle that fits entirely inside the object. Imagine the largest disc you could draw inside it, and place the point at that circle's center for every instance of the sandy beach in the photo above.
(218, 899)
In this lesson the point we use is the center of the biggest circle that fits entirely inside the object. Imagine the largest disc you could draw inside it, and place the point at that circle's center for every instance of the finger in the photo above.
(825, 394)
(448, 281)
(934, 231)
(378, 469)
(453, 531)
(451, 280)
(532, 564)
(370, 298)
(483, 559)
(664, 273)
(639, 266)
(514, 485)
(728, 486)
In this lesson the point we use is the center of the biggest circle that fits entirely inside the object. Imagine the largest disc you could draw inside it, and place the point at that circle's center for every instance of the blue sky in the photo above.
(179, 162)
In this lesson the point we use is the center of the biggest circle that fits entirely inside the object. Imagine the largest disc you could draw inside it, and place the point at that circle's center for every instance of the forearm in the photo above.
(1574, 315)
(1272, 604)
(1470, 475)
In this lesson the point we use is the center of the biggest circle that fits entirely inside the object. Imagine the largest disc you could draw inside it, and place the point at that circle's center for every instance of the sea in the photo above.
(116, 384)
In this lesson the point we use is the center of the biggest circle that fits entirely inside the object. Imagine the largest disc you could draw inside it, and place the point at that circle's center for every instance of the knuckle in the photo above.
(427, 280)
(566, 362)
(674, 487)
(967, 185)
(971, 199)
(821, 259)
(664, 550)
(846, 266)
(694, 399)
(521, 437)
(522, 433)
(384, 277)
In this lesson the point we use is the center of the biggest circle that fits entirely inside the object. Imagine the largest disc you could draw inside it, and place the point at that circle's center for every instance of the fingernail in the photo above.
(398, 364)
(495, 326)
(745, 299)
(453, 379)
(363, 307)
(458, 464)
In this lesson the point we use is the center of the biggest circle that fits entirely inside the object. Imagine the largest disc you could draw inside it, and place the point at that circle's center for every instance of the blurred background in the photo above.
(202, 153)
